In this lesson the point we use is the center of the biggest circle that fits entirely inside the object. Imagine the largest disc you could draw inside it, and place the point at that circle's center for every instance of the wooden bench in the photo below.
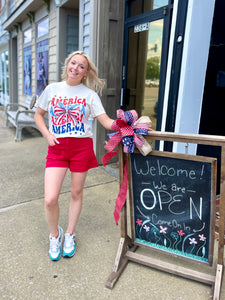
(21, 116)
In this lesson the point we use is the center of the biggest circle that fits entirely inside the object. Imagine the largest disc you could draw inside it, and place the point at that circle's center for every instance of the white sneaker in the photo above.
(69, 245)
(55, 248)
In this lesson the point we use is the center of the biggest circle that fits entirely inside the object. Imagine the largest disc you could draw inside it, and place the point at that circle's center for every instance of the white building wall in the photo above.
(52, 47)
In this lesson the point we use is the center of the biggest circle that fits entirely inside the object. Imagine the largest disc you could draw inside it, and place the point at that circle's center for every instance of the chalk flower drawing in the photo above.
(147, 228)
(192, 241)
(163, 230)
(202, 237)
(201, 250)
(139, 222)
(180, 232)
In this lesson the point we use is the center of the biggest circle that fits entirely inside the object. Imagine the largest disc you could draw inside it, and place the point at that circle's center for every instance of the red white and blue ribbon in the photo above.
(126, 130)
(129, 131)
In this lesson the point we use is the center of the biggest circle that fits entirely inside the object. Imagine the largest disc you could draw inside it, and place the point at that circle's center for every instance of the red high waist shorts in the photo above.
(77, 154)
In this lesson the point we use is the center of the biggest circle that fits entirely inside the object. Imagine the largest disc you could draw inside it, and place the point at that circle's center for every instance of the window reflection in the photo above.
(27, 36)
(152, 74)
(42, 28)
(136, 7)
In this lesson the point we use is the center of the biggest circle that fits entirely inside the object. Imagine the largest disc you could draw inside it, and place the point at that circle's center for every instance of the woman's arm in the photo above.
(105, 120)
(39, 120)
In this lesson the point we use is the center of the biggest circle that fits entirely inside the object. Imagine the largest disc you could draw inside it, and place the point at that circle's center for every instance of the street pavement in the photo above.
(27, 273)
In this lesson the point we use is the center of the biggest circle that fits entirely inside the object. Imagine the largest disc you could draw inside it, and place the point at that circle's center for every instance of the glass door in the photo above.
(144, 68)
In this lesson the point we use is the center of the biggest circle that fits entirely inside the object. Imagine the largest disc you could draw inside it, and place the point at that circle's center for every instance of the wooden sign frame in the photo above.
(127, 247)
(163, 188)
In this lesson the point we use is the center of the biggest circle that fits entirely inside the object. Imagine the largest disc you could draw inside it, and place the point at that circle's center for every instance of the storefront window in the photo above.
(4, 77)
(27, 65)
(7, 61)
(27, 36)
(42, 55)
(42, 66)
(137, 7)
(27, 71)
(42, 28)
(72, 34)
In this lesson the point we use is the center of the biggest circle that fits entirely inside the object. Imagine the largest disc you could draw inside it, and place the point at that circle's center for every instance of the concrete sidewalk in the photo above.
(26, 271)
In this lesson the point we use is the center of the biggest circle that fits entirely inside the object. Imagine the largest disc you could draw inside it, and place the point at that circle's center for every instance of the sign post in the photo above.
(172, 200)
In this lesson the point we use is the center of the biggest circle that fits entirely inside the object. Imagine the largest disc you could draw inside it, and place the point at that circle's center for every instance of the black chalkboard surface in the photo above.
(173, 203)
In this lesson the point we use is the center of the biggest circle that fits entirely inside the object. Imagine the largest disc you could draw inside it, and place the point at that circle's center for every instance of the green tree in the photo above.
(153, 68)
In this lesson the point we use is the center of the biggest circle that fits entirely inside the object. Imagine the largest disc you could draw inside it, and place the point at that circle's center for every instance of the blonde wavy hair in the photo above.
(91, 80)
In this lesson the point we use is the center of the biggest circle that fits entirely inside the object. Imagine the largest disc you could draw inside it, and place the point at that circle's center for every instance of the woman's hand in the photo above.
(39, 120)
(51, 139)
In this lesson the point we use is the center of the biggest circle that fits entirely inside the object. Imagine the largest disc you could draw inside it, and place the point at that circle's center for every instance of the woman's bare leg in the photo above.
(77, 185)
(53, 182)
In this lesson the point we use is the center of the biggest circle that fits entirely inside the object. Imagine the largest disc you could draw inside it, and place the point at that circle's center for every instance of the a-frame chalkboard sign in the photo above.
(172, 200)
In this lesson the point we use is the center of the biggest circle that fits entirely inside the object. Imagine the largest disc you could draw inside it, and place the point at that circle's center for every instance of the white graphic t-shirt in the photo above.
(69, 108)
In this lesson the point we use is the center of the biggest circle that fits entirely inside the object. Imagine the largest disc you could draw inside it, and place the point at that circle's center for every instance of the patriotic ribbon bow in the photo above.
(128, 129)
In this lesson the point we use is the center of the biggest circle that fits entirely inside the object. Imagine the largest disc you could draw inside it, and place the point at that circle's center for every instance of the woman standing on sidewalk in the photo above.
(69, 104)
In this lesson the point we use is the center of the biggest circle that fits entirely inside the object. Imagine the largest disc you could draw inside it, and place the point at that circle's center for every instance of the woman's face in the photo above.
(77, 68)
